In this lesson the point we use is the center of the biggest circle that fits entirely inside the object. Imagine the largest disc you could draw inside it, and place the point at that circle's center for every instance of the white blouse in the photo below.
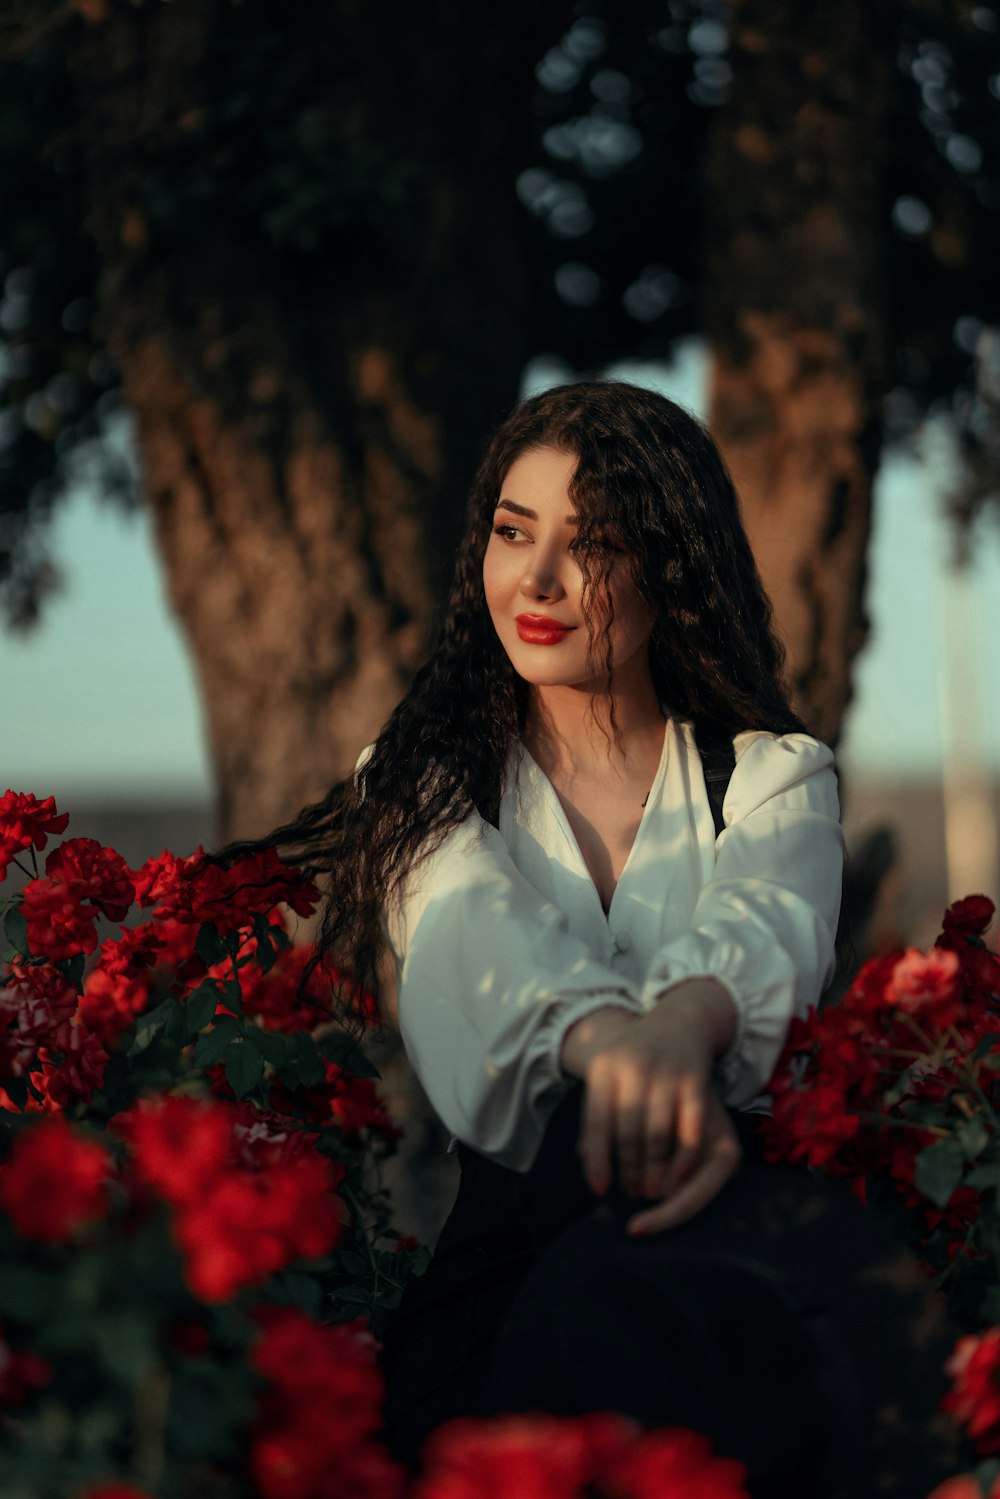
(501, 941)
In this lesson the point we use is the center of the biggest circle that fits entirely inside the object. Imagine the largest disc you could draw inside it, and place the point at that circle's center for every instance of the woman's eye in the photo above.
(508, 532)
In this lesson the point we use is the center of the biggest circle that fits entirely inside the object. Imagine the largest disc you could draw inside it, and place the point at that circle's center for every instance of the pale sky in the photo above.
(101, 700)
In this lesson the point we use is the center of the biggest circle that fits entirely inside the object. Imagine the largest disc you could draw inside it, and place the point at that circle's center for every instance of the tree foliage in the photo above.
(273, 150)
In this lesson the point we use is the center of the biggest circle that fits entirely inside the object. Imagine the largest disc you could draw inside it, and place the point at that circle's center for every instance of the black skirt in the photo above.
(784, 1321)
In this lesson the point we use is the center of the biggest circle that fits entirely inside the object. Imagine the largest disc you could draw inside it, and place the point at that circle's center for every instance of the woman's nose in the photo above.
(541, 581)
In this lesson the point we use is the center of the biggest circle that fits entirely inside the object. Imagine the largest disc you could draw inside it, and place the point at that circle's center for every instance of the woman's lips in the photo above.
(538, 629)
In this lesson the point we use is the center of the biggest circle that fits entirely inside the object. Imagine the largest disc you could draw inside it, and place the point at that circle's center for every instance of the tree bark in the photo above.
(795, 313)
(309, 416)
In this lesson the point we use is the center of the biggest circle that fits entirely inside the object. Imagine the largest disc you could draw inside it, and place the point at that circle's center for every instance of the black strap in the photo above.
(718, 761)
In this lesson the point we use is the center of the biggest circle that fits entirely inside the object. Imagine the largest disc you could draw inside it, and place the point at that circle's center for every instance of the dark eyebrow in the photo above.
(571, 520)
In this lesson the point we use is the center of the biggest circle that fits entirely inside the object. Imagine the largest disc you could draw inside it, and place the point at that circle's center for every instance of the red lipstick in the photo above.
(539, 629)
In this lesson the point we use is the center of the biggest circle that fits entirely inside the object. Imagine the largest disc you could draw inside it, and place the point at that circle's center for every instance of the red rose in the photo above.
(297, 1451)
(159, 877)
(54, 1181)
(555, 1457)
(969, 917)
(533, 1456)
(179, 1144)
(117, 988)
(37, 1008)
(99, 874)
(246, 1202)
(196, 890)
(674, 1462)
(352, 1103)
(59, 923)
(115, 1490)
(925, 985)
(249, 1223)
(25, 820)
(810, 1123)
(75, 1070)
(974, 1399)
(966, 1486)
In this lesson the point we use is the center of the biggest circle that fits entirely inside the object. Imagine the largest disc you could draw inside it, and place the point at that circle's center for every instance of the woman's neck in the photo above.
(569, 729)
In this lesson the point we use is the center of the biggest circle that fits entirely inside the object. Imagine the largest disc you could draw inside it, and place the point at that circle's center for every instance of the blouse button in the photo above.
(623, 944)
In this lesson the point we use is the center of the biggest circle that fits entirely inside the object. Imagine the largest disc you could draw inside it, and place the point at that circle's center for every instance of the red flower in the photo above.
(532, 1456)
(159, 877)
(25, 820)
(966, 1486)
(969, 917)
(974, 1399)
(352, 1103)
(246, 1202)
(36, 1009)
(925, 985)
(118, 987)
(297, 1450)
(59, 922)
(196, 890)
(552, 1457)
(669, 1462)
(74, 1069)
(115, 1490)
(809, 1123)
(100, 875)
(179, 1145)
(20, 1374)
(54, 1181)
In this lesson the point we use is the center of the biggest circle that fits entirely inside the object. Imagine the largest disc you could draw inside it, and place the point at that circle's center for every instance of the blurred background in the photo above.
(270, 275)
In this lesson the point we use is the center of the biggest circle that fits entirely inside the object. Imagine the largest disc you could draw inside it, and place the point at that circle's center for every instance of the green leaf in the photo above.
(973, 1136)
(272, 1045)
(244, 1066)
(266, 948)
(200, 1008)
(24, 1293)
(338, 1047)
(939, 1171)
(17, 1091)
(987, 1175)
(124, 1343)
(211, 1044)
(985, 1044)
(209, 945)
(308, 1062)
(16, 929)
(72, 968)
(150, 1024)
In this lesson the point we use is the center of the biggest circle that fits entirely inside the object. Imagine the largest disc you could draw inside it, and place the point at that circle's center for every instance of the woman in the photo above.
(595, 972)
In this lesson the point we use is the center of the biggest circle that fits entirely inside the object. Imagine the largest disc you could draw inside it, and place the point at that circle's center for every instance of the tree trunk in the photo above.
(312, 385)
(795, 311)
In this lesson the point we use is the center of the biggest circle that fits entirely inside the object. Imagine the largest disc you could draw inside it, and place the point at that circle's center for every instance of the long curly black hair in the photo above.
(649, 482)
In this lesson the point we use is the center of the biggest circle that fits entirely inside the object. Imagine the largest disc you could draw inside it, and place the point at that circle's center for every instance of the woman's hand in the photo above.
(648, 1100)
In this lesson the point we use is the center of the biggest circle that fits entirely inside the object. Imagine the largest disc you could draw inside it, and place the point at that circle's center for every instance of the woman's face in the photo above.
(534, 585)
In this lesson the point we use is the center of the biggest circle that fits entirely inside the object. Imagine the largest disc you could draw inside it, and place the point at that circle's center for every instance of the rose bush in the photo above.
(896, 1089)
(195, 1251)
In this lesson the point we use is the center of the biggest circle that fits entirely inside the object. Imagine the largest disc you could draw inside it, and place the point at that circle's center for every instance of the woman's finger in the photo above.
(596, 1127)
(661, 1106)
(690, 1135)
(720, 1162)
(629, 1125)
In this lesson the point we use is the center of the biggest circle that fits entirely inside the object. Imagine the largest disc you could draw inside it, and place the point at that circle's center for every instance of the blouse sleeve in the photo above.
(764, 924)
(488, 981)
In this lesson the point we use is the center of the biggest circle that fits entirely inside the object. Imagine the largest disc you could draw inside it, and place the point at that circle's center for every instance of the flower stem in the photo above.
(358, 1211)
